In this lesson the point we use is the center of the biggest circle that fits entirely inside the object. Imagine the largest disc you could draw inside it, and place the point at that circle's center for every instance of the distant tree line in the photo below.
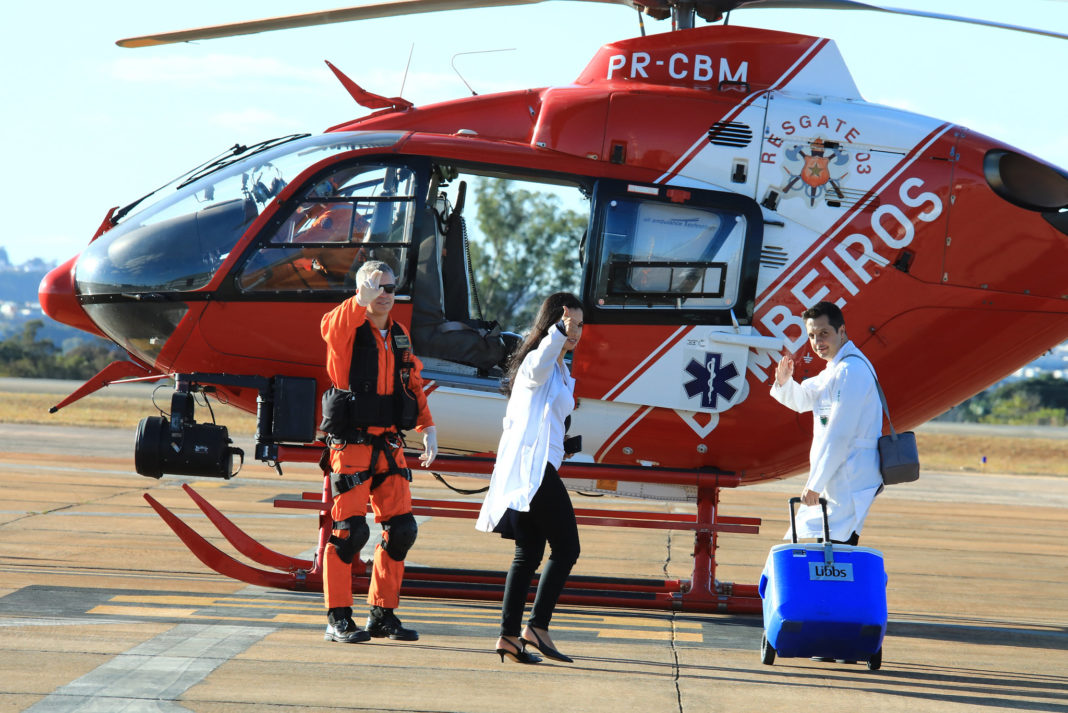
(530, 250)
(24, 355)
(1041, 401)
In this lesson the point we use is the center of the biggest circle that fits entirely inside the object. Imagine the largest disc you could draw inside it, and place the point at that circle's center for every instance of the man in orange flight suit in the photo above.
(379, 381)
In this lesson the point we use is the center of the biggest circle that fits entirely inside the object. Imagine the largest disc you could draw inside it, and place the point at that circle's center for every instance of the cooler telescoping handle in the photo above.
(793, 523)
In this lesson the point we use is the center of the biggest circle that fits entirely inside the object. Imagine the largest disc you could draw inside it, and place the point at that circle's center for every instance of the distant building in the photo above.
(1054, 362)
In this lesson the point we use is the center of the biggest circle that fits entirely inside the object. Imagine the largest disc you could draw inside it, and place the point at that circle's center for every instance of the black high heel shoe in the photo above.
(519, 655)
(545, 649)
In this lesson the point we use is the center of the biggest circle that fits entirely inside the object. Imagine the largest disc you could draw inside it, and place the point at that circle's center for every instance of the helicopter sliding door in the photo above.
(670, 290)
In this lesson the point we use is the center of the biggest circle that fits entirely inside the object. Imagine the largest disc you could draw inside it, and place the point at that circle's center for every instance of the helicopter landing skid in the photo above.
(702, 593)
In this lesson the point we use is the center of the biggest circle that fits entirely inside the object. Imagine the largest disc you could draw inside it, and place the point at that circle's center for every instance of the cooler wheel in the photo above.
(767, 651)
(876, 660)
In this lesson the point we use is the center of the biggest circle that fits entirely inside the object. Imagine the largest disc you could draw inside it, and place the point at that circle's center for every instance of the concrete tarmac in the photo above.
(102, 608)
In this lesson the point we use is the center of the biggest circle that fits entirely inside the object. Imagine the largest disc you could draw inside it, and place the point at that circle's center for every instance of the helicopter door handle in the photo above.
(754, 341)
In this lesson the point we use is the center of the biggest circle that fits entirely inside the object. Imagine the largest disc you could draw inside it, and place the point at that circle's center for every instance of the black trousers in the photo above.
(551, 519)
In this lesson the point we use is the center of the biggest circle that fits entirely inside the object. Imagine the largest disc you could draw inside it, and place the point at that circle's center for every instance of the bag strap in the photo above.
(882, 397)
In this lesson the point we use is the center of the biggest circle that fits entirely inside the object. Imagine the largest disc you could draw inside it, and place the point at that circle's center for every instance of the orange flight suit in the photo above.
(390, 499)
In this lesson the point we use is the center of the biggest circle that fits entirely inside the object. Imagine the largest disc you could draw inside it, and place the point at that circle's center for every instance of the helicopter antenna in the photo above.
(458, 54)
(405, 79)
(641, 21)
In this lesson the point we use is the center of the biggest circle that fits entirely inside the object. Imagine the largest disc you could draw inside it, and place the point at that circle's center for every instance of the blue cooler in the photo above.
(823, 601)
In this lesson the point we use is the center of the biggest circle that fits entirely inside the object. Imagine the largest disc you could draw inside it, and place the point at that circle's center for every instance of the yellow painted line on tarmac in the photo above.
(304, 618)
(411, 610)
(173, 600)
(262, 601)
(204, 601)
(557, 617)
(288, 618)
(647, 635)
(141, 611)
(631, 621)
(193, 606)
(193, 614)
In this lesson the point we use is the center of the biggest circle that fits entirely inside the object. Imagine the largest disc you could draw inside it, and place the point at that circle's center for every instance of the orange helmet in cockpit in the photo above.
(332, 223)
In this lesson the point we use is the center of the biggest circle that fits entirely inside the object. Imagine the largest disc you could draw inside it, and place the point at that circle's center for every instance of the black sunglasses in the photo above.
(389, 289)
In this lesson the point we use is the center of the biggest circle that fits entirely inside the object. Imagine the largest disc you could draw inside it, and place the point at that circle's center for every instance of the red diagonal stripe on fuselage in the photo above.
(646, 363)
(788, 75)
(632, 421)
(828, 235)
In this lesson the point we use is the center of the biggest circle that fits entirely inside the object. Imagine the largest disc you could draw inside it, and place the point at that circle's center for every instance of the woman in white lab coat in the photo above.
(526, 500)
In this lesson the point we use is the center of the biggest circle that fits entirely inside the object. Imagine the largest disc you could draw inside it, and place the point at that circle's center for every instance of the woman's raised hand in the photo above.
(572, 320)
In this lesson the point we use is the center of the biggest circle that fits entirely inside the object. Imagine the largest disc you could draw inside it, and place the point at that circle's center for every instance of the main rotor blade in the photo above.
(854, 5)
(386, 8)
(708, 9)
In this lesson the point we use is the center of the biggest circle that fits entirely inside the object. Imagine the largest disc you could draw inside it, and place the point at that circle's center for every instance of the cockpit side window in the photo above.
(670, 254)
(355, 214)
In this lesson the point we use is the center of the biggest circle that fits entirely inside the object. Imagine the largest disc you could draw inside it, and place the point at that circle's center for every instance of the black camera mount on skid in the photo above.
(178, 445)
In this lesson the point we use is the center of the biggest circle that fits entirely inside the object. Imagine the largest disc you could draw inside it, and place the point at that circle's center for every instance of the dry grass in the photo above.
(109, 411)
(1004, 454)
(938, 452)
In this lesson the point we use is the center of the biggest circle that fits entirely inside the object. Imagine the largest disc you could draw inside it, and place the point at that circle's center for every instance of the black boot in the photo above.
(384, 623)
(342, 628)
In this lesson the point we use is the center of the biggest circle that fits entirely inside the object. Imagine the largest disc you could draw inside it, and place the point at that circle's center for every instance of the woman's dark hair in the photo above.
(550, 312)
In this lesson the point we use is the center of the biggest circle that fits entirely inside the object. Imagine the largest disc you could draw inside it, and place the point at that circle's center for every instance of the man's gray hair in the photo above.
(369, 267)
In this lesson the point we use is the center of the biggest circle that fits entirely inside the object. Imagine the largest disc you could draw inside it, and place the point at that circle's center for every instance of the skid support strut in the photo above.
(702, 593)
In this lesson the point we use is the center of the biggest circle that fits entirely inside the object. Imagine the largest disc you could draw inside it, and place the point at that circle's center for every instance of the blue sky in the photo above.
(89, 125)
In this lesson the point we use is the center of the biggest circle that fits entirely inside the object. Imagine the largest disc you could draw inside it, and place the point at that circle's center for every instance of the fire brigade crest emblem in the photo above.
(811, 170)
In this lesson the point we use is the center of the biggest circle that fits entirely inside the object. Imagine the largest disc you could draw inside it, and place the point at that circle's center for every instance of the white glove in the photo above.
(430, 446)
(369, 290)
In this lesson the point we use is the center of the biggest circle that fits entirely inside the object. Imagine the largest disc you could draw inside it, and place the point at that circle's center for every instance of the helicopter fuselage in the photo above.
(735, 177)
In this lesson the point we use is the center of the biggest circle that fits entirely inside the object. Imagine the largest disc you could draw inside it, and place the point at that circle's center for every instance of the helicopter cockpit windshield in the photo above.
(357, 213)
(178, 242)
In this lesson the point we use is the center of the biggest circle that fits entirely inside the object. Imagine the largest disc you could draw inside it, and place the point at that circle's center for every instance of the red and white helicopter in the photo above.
(734, 177)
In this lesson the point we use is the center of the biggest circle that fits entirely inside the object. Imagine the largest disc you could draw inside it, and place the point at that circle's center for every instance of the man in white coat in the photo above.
(846, 424)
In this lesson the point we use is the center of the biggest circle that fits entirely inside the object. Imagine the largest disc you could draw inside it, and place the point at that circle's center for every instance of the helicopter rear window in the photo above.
(662, 255)
(357, 214)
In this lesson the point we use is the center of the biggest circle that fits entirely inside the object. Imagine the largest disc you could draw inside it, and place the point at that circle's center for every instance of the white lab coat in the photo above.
(542, 396)
(844, 458)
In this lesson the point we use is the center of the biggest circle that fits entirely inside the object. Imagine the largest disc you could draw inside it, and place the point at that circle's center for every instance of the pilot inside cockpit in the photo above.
(327, 215)
(329, 223)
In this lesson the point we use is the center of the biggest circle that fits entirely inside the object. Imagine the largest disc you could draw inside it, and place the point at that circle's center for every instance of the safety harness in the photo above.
(381, 444)
(347, 414)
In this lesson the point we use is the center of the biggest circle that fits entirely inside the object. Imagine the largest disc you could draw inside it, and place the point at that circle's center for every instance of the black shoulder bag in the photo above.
(899, 460)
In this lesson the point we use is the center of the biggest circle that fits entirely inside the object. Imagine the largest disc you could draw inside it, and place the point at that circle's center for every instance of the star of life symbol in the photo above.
(711, 380)
(814, 164)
